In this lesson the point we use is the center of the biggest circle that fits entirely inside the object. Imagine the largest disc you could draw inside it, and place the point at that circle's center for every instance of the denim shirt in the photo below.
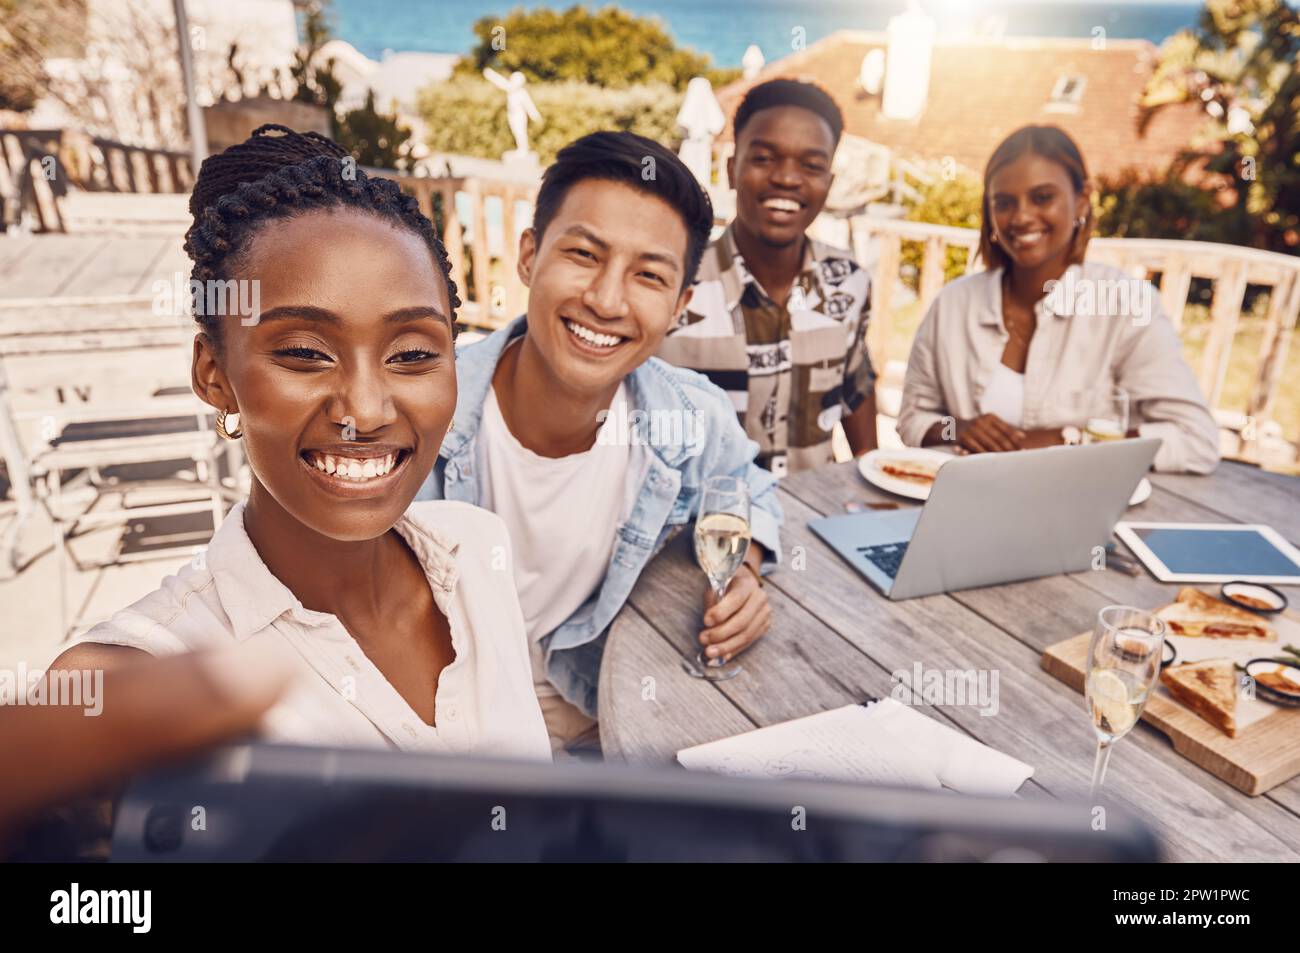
(666, 501)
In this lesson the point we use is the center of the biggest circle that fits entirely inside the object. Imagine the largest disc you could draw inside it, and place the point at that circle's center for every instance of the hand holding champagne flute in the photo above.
(1123, 664)
(721, 542)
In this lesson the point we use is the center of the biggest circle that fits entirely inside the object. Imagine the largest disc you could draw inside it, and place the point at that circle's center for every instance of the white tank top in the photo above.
(1005, 395)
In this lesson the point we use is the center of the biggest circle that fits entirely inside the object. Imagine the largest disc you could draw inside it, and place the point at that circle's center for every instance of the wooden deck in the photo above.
(88, 266)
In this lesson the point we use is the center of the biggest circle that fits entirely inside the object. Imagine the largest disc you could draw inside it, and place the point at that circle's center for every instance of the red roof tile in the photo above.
(981, 89)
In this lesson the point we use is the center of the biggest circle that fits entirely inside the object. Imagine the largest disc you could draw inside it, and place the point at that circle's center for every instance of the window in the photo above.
(1067, 93)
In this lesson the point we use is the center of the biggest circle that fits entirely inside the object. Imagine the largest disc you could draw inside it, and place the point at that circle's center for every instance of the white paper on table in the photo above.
(1199, 648)
(882, 742)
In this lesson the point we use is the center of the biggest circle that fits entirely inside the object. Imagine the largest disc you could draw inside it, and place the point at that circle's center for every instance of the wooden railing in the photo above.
(38, 166)
(1171, 263)
(466, 213)
(1232, 268)
(888, 235)
(117, 167)
(32, 177)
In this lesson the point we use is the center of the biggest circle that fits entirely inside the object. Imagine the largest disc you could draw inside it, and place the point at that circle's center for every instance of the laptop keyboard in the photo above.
(885, 557)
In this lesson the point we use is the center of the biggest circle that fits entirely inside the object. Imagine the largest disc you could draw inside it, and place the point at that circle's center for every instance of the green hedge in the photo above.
(1136, 205)
(943, 201)
(468, 116)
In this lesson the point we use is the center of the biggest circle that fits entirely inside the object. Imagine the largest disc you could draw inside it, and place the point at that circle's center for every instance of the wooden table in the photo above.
(834, 640)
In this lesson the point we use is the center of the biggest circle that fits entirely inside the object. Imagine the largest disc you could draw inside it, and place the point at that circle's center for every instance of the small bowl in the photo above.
(1135, 650)
(1254, 597)
(1268, 693)
(1170, 654)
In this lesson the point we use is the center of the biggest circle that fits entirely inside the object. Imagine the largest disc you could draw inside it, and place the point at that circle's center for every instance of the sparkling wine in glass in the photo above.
(721, 541)
(1123, 664)
(1112, 418)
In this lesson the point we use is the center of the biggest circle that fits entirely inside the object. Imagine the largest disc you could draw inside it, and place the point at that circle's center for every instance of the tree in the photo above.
(607, 47)
(124, 83)
(25, 40)
(1134, 204)
(1240, 64)
(373, 138)
(943, 197)
(317, 83)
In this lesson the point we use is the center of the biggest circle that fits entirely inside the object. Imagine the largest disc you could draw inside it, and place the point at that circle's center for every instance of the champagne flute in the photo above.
(1111, 421)
(721, 541)
(1123, 663)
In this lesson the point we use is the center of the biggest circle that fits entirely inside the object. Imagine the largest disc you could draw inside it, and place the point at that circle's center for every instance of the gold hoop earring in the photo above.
(222, 432)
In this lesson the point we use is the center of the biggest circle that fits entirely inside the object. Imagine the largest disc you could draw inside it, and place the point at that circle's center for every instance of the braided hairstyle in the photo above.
(278, 173)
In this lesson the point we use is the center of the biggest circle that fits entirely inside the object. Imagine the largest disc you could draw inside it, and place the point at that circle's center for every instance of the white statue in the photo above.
(752, 62)
(519, 107)
(702, 118)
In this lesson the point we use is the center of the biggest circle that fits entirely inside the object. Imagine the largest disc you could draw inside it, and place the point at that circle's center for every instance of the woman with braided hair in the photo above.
(401, 619)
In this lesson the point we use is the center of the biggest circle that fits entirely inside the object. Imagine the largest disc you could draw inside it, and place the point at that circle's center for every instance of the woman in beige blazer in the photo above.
(1024, 354)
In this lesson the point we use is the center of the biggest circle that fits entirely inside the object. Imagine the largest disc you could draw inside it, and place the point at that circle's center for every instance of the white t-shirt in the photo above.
(561, 513)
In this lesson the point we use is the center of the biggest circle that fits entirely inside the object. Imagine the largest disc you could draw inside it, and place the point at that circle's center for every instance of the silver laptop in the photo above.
(996, 517)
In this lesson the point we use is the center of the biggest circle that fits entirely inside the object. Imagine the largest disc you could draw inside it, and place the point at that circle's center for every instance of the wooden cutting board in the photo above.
(1263, 755)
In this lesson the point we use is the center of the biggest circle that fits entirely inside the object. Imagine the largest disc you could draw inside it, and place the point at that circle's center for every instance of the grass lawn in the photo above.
(1242, 367)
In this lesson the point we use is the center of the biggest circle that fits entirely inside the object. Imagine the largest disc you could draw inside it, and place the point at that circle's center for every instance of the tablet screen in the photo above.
(1217, 552)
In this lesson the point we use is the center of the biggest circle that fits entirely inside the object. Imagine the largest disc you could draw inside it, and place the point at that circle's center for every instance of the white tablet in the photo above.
(1212, 552)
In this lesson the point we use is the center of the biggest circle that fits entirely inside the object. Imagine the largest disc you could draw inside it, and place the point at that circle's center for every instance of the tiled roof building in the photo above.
(978, 89)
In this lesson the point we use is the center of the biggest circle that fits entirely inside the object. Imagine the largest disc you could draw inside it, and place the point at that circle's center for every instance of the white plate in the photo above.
(869, 466)
(1141, 494)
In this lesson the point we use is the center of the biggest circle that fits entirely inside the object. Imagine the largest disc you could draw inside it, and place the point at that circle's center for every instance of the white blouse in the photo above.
(1103, 330)
(485, 702)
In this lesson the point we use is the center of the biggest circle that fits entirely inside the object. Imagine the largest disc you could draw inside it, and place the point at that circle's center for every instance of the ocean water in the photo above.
(725, 28)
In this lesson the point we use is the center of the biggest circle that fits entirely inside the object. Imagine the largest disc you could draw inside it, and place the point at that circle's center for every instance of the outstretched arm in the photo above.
(152, 711)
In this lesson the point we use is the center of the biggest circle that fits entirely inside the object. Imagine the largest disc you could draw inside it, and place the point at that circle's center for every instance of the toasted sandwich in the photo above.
(1194, 613)
(913, 471)
(1208, 688)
